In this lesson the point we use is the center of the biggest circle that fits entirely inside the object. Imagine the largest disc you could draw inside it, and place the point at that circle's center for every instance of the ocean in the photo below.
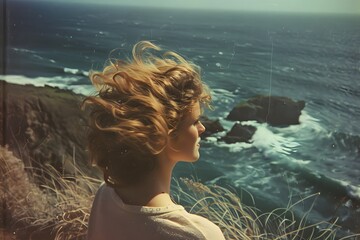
(310, 57)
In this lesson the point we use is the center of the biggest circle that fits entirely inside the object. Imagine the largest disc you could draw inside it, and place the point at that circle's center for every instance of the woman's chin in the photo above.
(195, 158)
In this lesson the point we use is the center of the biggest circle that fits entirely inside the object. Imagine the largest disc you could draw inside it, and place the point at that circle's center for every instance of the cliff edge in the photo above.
(44, 125)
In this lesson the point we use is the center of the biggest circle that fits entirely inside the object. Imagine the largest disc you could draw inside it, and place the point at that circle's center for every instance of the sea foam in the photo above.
(56, 81)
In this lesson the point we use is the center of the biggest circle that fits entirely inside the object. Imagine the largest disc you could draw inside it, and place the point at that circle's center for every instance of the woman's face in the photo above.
(185, 146)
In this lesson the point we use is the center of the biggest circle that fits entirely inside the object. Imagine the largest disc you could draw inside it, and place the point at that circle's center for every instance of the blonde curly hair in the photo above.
(139, 104)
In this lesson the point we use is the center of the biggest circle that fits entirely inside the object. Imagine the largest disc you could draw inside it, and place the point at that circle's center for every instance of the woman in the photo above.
(145, 119)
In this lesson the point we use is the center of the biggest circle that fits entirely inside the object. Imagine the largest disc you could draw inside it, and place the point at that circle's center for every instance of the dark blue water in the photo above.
(315, 58)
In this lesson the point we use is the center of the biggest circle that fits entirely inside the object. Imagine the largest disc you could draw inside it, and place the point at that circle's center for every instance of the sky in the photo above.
(309, 6)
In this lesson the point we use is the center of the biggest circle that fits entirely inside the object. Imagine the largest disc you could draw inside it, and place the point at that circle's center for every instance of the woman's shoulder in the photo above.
(207, 228)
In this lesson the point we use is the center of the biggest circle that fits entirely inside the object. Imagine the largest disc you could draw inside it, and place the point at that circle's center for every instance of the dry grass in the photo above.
(238, 221)
(59, 208)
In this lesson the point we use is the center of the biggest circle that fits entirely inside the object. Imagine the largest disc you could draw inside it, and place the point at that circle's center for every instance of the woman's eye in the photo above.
(196, 122)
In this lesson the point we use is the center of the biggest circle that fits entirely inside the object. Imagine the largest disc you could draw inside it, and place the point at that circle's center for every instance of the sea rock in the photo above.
(211, 126)
(239, 133)
(275, 110)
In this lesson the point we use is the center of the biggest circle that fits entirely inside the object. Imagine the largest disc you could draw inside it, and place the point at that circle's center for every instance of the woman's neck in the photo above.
(153, 190)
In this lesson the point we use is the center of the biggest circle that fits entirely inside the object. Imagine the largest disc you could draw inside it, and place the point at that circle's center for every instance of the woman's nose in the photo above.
(201, 128)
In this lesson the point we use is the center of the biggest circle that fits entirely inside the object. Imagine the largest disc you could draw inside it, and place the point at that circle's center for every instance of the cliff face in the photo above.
(44, 125)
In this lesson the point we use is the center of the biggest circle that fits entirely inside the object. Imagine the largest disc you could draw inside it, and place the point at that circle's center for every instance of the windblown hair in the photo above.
(140, 104)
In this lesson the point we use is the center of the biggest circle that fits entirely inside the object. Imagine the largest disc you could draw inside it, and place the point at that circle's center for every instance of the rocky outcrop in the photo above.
(277, 111)
(239, 133)
(44, 125)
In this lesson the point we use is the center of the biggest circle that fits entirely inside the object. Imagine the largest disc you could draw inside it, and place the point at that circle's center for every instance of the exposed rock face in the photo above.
(239, 133)
(211, 126)
(44, 125)
(277, 111)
